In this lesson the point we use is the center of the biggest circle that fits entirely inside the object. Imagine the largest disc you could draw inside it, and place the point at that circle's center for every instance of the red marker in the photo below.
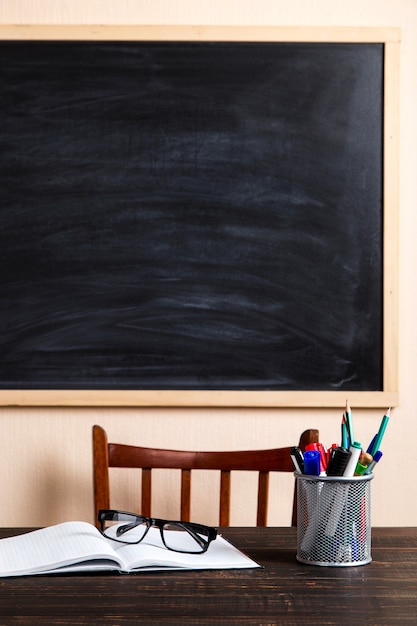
(329, 452)
(323, 455)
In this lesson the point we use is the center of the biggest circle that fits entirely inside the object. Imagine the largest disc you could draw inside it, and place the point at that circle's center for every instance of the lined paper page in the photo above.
(55, 546)
(79, 546)
(151, 553)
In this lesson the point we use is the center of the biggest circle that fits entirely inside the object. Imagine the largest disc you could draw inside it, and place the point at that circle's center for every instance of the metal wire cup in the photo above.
(334, 520)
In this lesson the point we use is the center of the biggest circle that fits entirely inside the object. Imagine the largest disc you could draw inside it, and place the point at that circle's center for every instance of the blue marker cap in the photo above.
(312, 462)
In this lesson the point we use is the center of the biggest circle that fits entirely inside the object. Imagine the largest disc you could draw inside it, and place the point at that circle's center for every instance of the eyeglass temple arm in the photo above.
(121, 530)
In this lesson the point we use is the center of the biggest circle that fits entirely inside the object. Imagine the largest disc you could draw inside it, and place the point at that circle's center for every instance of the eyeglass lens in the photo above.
(125, 527)
(181, 539)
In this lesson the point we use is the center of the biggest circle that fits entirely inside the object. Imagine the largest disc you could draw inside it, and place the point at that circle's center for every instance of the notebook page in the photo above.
(48, 548)
(152, 554)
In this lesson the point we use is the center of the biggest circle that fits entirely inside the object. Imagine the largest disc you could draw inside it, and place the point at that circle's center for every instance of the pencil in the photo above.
(349, 423)
(344, 441)
(380, 433)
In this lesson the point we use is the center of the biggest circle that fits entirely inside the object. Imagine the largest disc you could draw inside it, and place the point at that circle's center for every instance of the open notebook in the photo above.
(79, 547)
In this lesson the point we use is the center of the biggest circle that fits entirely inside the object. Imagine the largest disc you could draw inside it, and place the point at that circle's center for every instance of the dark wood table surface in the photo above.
(283, 592)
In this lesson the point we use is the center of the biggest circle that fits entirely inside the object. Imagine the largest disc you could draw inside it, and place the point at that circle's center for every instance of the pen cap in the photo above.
(365, 458)
(312, 462)
(377, 456)
(320, 449)
(374, 461)
(360, 469)
(355, 452)
(338, 461)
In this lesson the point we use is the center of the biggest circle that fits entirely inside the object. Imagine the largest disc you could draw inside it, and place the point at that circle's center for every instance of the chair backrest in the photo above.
(106, 455)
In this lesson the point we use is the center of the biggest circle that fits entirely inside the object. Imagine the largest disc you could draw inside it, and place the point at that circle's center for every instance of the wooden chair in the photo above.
(106, 455)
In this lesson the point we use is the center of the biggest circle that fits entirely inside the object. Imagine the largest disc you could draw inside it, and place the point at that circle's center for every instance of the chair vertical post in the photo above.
(146, 492)
(100, 471)
(263, 491)
(224, 515)
(185, 495)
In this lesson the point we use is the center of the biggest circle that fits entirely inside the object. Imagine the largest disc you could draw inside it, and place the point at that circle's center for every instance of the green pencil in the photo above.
(349, 423)
(380, 433)
(344, 441)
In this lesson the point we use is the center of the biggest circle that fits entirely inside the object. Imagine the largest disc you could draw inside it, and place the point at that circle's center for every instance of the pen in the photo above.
(320, 449)
(371, 445)
(355, 450)
(312, 462)
(377, 443)
(372, 464)
(297, 459)
(330, 452)
(363, 463)
(338, 461)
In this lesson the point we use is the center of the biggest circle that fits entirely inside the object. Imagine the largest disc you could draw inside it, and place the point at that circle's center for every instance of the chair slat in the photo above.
(146, 491)
(263, 491)
(224, 513)
(185, 495)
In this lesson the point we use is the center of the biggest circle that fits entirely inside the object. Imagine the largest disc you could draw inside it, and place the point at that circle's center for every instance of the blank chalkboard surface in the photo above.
(186, 215)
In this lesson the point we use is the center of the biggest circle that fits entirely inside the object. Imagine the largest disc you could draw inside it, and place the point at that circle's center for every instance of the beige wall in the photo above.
(45, 461)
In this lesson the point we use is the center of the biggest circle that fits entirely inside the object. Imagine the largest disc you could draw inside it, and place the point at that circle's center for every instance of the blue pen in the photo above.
(312, 462)
(371, 445)
(377, 443)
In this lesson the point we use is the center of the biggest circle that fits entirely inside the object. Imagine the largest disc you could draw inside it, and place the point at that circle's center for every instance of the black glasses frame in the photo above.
(192, 528)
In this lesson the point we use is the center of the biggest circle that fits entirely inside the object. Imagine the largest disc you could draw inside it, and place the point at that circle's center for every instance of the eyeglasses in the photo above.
(177, 536)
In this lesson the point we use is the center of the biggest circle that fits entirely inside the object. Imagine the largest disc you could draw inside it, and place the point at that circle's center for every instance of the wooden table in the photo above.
(284, 592)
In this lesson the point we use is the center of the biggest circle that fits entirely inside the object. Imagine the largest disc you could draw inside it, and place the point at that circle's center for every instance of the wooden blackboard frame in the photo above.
(388, 396)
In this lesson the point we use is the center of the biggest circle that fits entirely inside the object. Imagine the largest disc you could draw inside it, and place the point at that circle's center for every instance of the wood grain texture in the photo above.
(284, 592)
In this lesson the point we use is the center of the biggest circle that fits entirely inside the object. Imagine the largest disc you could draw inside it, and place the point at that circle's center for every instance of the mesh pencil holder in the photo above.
(334, 520)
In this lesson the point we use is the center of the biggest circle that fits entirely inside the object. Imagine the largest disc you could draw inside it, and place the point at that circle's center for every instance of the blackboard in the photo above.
(191, 215)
